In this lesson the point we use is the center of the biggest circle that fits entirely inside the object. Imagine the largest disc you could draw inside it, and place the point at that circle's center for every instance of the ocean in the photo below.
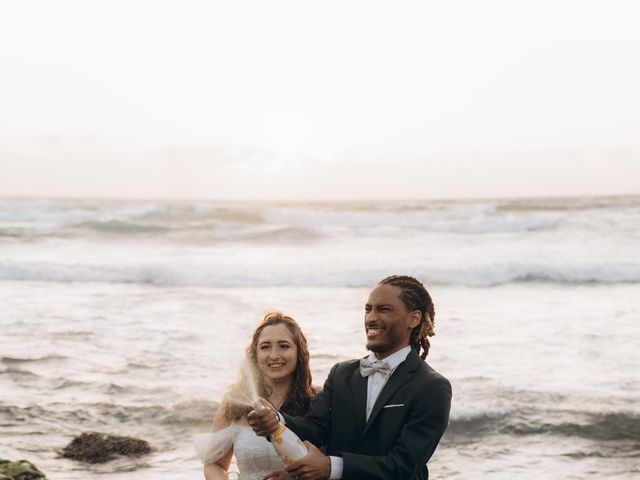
(131, 317)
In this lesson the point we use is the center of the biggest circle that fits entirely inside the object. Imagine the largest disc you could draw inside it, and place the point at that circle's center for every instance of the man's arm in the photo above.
(418, 439)
(315, 425)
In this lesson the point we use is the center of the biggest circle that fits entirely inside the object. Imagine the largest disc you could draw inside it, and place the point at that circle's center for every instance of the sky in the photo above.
(319, 100)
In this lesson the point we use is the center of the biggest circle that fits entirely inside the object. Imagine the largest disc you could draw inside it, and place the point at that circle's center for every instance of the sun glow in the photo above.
(229, 98)
(287, 138)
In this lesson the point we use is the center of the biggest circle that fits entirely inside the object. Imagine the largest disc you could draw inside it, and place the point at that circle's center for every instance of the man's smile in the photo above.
(374, 331)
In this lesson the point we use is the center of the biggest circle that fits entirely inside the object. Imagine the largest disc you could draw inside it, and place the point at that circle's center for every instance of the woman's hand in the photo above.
(278, 475)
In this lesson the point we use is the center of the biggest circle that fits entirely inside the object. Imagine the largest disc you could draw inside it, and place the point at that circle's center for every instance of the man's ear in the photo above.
(414, 321)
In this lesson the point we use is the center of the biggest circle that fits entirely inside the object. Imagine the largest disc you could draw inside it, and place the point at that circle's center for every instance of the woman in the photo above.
(277, 369)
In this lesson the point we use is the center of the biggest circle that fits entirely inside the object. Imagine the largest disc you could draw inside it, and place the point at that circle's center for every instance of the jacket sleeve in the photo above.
(315, 425)
(426, 422)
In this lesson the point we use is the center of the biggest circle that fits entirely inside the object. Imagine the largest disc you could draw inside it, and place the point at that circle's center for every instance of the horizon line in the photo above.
(319, 200)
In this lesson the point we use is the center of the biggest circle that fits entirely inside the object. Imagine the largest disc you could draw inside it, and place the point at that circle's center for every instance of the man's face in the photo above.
(387, 322)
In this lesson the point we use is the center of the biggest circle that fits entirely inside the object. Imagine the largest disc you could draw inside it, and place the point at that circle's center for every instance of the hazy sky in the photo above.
(300, 99)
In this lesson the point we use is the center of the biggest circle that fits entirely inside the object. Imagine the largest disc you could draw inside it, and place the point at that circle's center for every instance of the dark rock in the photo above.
(20, 470)
(97, 447)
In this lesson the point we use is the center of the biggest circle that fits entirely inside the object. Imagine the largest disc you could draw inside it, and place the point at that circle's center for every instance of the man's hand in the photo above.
(314, 466)
(263, 420)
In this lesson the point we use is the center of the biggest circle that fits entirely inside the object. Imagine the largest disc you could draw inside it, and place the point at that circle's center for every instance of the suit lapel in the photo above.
(400, 376)
(359, 393)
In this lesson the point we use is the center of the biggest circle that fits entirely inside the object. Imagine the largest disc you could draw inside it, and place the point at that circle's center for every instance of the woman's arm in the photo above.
(217, 470)
(213, 471)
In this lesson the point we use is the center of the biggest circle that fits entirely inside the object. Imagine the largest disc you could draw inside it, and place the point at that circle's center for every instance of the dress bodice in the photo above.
(255, 456)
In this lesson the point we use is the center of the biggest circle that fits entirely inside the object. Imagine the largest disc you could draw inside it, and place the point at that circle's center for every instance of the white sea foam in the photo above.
(467, 218)
(229, 276)
(256, 245)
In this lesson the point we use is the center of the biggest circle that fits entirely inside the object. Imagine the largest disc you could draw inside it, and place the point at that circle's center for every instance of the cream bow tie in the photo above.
(367, 367)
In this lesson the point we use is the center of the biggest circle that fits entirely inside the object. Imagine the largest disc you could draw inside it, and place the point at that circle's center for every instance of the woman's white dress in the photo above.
(255, 455)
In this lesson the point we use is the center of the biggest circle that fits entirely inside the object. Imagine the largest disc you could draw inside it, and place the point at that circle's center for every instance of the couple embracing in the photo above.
(379, 417)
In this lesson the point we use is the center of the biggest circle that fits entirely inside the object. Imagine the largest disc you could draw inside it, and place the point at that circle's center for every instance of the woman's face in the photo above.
(277, 353)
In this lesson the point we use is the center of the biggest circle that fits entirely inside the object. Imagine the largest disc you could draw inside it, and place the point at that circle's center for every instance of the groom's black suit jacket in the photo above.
(402, 432)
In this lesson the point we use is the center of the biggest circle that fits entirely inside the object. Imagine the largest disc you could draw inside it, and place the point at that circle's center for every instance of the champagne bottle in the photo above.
(287, 444)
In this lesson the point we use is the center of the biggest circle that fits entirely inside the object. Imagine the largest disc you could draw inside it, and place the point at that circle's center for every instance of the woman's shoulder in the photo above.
(223, 417)
(232, 410)
(211, 447)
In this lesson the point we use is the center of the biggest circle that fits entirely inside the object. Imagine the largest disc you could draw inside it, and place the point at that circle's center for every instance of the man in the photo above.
(380, 417)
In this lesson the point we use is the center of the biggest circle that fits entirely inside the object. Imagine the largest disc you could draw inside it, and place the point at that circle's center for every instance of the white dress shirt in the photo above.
(375, 383)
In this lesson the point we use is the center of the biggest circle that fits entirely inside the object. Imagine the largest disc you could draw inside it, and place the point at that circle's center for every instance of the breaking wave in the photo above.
(589, 425)
(315, 275)
(39, 220)
(119, 227)
(198, 413)
(18, 360)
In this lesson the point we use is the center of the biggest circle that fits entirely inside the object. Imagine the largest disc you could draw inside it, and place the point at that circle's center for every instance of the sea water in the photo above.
(132, 317)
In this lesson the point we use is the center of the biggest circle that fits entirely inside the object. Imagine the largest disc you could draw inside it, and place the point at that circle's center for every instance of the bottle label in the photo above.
(287, 444)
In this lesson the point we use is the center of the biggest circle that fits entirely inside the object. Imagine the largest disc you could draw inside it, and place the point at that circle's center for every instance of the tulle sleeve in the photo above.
(212, 446)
